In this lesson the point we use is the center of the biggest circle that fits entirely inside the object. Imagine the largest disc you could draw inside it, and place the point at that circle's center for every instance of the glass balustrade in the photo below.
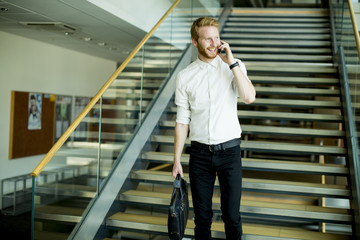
(75, 175)
(345, 37)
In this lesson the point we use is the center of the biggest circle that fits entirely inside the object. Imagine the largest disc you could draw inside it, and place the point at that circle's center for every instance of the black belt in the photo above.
(217, 147)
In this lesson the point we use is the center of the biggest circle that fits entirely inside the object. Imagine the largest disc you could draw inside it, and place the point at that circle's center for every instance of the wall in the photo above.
(356, 7)
(144, 17)
(33, 66)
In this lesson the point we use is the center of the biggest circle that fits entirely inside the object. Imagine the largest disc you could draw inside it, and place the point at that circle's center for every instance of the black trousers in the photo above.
(203, 167)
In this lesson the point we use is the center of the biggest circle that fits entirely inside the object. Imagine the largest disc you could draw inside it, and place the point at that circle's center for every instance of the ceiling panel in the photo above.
(90, 22)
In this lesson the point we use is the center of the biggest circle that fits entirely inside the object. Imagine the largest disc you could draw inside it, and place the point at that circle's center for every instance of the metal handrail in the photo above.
(94, 100)
(356, 32)
(352, 142)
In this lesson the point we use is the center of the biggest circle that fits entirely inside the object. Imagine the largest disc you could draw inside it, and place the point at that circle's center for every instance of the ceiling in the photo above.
(77, 25)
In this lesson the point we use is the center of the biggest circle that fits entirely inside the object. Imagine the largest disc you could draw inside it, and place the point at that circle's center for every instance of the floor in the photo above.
(16, 227)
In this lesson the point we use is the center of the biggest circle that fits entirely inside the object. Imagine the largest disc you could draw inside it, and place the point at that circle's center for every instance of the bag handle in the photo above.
(177, 182)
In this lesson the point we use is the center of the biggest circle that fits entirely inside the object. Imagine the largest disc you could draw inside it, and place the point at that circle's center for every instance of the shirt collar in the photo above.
(213, 63)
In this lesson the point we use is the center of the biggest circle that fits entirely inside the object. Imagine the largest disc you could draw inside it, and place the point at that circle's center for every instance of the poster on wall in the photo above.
(63, 115)
(35, 107)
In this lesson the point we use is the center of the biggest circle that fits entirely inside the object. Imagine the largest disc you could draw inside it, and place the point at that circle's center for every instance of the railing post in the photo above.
(99, 149)
(32, 207)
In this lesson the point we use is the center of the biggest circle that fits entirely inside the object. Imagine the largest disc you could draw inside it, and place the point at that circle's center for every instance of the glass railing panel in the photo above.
(76, 173)
(68, 183)
(348, 41)
(346, 30)
(172, 37)
(121, 114)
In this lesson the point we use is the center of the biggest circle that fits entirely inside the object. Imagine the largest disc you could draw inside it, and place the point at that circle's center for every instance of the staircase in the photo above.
(295, 183)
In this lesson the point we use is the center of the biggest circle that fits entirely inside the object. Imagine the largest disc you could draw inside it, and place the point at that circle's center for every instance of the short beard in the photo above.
(202, 51)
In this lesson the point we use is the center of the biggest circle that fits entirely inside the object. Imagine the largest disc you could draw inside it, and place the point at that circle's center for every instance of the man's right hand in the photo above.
(177, 169)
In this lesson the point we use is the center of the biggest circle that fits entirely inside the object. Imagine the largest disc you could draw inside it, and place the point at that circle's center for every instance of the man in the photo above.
(206, 99)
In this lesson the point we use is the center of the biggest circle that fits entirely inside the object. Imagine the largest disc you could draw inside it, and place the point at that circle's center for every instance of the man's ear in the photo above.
(194, 42)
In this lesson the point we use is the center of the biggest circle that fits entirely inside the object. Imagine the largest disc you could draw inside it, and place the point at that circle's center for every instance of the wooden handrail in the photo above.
(356, 31)
(92, 103)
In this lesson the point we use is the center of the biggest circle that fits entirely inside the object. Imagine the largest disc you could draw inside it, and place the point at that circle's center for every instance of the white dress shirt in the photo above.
(206, 99)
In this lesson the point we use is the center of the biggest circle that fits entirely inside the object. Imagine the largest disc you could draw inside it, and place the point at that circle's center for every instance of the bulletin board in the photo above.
(27, 139)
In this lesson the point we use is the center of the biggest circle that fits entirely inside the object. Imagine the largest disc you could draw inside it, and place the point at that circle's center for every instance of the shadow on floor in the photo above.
(16, 227)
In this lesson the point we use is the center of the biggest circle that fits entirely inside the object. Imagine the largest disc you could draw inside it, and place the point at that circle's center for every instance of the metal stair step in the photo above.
(136, 84)
(284, 12)
(260, 164)
(59, 213)
(250, 207)
(289, 67)
(278, 30)
(286, 131)
(297, 91)
(119, 121)
(263, 185)
(270, 115)
(294, 80)
(280, 42)
(296, 103)
(271, 50)
(285, 116)
(294, 36)
(284, 147)
(285, 19)
(158, 224)
(274, 24)
(286, 57)
(121, 94)
(146, 75)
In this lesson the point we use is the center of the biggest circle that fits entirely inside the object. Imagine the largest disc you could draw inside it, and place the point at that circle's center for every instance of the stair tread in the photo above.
(244, 49)
(272, 115)
(249, 206)
(150, 223)
(281, 42)
(275, 24)
(253, 129)
(286, 57)
(278, 30)
(238, 18)
(298, 36)
(60, 210)
(272, 146)
(297, 103)
(290, 116)
(298, 91)
(306, 12)
(315, 189)
(256, 163)
(292, 80)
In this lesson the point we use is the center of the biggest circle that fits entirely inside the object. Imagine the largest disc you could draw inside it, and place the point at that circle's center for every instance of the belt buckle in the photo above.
(211, 148)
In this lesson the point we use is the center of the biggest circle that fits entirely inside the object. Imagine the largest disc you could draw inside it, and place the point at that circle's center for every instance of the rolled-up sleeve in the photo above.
(182, 102)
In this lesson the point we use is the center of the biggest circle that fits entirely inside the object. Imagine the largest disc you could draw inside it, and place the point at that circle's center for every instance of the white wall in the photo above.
(356, 7)
(144, 17)
(33, 66)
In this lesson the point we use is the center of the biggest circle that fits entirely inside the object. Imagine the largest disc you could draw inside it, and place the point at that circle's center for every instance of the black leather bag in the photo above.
(178, 209)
